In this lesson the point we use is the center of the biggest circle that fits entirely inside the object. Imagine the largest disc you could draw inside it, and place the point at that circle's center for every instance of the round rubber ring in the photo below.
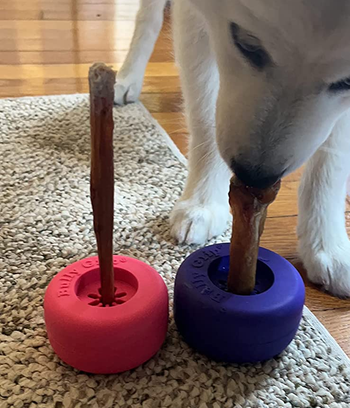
(104, 340)
(234, 328)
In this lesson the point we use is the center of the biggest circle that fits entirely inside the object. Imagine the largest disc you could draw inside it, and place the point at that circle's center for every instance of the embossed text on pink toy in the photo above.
(65, 282)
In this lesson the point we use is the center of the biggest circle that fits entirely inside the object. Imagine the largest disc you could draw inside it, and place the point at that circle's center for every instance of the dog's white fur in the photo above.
(277, 120)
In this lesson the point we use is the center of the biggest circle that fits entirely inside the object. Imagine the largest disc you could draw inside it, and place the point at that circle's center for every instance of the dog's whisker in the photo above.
(205, 157)
(205, 143)
(180, 130)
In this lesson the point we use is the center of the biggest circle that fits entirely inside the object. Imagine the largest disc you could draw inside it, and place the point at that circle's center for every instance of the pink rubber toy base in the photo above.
(105, 340)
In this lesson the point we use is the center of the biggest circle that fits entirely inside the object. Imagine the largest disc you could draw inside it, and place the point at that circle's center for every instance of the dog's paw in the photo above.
(194, 223)
(328, 267)
(127, 89)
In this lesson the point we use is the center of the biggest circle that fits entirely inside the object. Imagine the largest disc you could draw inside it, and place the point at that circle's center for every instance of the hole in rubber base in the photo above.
(218, 274)
(96, 298)
(88, 287)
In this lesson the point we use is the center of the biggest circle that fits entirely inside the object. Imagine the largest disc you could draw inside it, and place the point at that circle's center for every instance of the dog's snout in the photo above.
(255, 176)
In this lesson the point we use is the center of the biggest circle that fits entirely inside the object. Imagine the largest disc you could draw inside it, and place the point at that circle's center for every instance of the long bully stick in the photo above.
(249, 209)
(101, 83)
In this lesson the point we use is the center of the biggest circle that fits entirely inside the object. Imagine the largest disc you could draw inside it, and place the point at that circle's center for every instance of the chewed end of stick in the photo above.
(101, 79)
(264, 196)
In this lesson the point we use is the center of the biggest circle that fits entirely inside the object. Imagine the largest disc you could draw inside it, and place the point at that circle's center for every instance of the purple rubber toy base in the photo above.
(234, 328)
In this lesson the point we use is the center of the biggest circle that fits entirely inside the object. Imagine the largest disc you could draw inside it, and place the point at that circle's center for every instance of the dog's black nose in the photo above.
(255, 176)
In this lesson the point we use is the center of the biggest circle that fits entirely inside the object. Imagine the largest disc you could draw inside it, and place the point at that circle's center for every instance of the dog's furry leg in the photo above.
(202, 212)
(324, 245)
(149, 21)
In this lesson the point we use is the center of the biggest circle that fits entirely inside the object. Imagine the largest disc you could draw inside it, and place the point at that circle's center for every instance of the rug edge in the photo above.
(168, 140)
(322, 329)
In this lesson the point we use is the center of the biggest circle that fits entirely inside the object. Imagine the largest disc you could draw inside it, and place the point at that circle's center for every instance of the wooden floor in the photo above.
(46, 47)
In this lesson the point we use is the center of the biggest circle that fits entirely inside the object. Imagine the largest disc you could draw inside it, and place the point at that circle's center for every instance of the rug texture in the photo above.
(46, 224)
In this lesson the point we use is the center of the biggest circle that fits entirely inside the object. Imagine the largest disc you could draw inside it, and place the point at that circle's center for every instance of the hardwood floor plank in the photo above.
(38, 35)
(158, 102)
(73, 57)
(53, 71)
(54, 86)
(64, 35)
(66, 11)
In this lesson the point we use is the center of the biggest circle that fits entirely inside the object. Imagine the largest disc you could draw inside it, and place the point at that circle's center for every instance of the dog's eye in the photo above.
(256, 56)
(252, 50)
(340, 86)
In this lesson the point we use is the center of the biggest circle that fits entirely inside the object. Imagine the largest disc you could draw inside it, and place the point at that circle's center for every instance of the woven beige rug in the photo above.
(46, 223)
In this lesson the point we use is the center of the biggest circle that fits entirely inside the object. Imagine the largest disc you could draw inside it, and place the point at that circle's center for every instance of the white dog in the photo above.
(267, 87)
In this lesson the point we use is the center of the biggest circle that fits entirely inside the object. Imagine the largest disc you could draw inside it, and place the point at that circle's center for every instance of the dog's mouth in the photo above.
(263, 195)
(257, 176)
(259, 184)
